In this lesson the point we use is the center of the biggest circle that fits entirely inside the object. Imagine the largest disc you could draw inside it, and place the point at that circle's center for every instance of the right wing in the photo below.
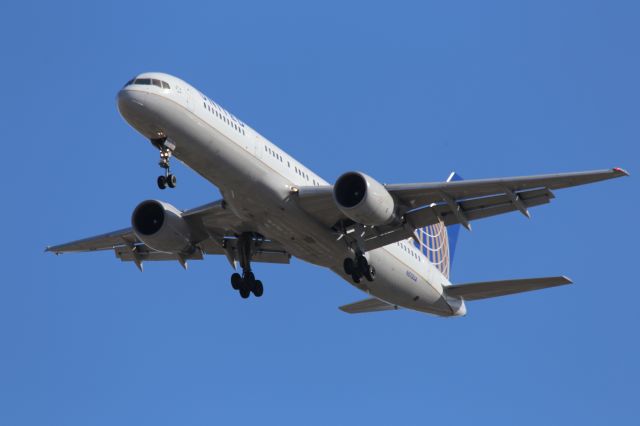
(484, 290)
(213, 226)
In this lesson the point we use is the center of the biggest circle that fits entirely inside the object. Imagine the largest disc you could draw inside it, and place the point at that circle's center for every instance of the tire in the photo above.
(370, 275)
(162, 182)
(245, 293)
(249, 278)
(348, 265)
(172, 181)
(363, 265)
(355, 278)
(258, 289)
(236, 281)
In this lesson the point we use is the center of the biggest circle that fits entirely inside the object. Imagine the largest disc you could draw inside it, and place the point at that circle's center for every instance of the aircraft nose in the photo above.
(131, 104)
(128, 98)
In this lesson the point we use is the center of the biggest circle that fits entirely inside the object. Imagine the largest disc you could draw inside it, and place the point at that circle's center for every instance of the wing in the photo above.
(451, 202)
(213, 226)
(475, 291)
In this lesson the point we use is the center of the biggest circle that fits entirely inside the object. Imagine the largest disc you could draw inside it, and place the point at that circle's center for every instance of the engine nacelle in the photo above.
(363, 199)
(161, 226)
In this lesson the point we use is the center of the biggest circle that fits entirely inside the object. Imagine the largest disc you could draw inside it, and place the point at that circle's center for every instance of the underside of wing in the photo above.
(452, 202)
(368, 305)
(421, 194)
(106, 241)
(212, 229)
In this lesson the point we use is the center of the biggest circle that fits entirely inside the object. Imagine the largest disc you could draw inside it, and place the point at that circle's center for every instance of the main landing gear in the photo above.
(359, 268)
(166, 149)
(246, 283)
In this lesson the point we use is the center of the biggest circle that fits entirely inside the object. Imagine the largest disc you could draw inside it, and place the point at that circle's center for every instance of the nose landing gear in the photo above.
(359, 268)
(166, 150)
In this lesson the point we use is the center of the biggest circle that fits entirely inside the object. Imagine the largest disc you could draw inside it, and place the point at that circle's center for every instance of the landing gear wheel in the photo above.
(363, 265)
(355, 278)
(349, 266)
(172, 181)
(370, 274)
(258, 289)
(245, 292)
(162, 182)
(236, 281)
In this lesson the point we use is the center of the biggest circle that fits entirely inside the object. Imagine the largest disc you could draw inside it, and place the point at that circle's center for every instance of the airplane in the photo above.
(395, 242)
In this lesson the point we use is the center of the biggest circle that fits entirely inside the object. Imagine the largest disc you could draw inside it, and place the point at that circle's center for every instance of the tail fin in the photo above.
(438, 242)
(453, 230)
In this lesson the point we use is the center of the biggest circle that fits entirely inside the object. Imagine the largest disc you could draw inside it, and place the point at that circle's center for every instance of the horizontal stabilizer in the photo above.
(484, 290)
(367, 305)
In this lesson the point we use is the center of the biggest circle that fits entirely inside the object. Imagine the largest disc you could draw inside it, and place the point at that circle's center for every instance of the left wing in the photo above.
(452, 202)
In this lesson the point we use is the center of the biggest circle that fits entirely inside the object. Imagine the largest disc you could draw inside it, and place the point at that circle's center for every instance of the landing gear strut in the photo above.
(166, 150)
(359, 268)
(246, 283)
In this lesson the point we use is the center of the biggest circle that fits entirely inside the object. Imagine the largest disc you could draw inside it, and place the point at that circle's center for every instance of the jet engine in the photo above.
(161, 226)
(363, 199)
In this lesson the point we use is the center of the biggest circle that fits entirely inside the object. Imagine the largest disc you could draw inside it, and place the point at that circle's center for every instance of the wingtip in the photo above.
(567, 279)
(620, 171)
(52, 249)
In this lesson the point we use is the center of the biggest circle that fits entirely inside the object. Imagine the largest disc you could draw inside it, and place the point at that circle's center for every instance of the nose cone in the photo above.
(130, 102)
(132, 105)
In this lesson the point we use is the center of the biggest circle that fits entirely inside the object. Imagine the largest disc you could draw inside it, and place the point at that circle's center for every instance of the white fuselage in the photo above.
(256, 179)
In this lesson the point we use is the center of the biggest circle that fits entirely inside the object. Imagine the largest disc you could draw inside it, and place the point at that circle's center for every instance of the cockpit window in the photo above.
(150, 82)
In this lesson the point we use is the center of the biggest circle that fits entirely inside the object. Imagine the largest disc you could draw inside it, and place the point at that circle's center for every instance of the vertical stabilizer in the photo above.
(453, 230)
(438, 242)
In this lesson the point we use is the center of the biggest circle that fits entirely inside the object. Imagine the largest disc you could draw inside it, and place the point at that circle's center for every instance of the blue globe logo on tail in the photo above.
(438, 242)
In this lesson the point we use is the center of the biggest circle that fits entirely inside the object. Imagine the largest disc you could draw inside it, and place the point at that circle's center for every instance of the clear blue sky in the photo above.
(404, 91)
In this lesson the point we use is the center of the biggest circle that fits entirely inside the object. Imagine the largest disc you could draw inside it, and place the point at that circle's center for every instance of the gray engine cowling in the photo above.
(160, 226)
(363, 199)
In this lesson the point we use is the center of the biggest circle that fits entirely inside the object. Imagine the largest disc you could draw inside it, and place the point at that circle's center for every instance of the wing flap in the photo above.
(484, 290)
(478, 208)
(368, 305)
(142, 253)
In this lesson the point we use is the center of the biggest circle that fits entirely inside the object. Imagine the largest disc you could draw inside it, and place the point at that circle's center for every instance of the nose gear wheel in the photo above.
(166, 150)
